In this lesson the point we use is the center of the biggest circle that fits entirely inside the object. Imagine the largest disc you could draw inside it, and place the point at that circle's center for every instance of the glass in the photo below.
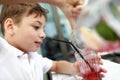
(90, 72)
(89, 67)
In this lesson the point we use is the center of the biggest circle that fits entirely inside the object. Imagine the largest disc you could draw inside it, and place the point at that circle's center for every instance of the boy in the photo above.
(22, 27)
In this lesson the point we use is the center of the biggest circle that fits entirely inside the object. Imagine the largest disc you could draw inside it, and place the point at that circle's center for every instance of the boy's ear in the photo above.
(9, 26)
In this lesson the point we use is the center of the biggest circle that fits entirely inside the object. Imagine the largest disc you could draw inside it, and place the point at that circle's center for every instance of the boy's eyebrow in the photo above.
(39, 23)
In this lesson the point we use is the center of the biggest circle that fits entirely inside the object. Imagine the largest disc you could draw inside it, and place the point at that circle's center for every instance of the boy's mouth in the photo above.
(38, 43)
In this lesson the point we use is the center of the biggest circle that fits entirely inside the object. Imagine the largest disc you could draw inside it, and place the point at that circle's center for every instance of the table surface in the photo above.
(113, 72)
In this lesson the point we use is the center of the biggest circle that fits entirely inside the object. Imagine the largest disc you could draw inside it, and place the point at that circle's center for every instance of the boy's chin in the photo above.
(35, 50)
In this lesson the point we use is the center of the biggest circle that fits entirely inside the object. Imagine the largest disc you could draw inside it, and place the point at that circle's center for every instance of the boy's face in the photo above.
(29, 33)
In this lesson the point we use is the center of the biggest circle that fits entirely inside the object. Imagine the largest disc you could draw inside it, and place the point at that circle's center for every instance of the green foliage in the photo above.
(105, 31)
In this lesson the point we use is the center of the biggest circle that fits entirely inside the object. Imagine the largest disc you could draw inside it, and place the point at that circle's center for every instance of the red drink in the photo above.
(89, 67)
(92, 76)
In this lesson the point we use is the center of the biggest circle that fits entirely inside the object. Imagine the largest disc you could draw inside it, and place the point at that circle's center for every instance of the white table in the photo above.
(113, 72)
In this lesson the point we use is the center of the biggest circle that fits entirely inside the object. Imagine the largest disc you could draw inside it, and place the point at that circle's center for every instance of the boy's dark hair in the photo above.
(17, 11)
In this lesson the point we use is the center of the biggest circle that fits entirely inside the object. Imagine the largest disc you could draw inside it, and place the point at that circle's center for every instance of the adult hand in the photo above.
(71, 9)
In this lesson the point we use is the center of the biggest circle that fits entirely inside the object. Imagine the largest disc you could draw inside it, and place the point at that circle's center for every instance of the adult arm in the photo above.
(55, 2)
(71, 8)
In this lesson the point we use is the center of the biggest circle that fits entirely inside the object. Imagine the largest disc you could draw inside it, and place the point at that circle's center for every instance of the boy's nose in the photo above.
(42, 35)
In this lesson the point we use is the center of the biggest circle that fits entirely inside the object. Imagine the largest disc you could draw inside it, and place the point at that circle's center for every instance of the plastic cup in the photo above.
(90, 70)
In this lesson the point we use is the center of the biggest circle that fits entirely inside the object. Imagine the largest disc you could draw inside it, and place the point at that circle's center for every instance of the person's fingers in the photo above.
(86, 69)
(82, 68)
(73, 23)
(94, 59)
(75, 13)
(75, 16)
(99, 59)
(102, 70)
(80, 3)
(102, 75)
(77, 9)
(78, 6)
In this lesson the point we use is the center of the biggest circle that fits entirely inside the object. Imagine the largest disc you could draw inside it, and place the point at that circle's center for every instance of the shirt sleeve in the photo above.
(44, 62)
(47, 64)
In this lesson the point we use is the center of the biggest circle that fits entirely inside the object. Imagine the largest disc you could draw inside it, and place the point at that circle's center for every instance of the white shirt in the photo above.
(14, 65)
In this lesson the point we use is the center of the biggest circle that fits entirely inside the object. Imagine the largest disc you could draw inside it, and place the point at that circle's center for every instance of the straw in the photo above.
(75, 48)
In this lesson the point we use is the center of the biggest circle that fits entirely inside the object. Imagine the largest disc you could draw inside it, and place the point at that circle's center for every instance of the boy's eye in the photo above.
(36, 27)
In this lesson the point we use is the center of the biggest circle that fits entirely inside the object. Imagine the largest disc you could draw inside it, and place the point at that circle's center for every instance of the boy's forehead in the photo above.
(35, 18)
(36, 15)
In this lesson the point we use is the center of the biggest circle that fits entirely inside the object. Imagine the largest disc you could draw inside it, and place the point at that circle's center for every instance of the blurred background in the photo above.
(100, 17)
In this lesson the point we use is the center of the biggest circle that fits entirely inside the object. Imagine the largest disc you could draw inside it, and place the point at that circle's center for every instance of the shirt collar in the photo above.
(10, 48)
